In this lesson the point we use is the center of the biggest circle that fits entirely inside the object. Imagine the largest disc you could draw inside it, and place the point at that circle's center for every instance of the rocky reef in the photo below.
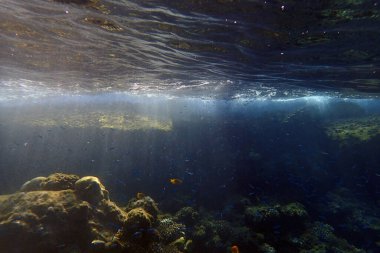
(65, 213)
(262, 228)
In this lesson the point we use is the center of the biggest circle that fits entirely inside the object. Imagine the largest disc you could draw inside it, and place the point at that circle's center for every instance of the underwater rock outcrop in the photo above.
(146, 203)
(354, 130)
(54, 182)
(90, 189)
(65, 213)
(265, 216)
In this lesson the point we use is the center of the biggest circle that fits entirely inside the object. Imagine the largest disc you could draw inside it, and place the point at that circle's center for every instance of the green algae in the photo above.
(294, 210)
(359, 129)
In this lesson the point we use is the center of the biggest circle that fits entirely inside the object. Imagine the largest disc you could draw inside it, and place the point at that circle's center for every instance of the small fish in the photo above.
(234, 249)
(140, 195)
(175, 181)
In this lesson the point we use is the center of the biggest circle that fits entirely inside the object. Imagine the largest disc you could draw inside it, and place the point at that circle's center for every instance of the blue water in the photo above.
(267, 114)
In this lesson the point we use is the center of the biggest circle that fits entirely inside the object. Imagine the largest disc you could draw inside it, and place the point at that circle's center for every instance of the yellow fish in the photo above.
(175, 181)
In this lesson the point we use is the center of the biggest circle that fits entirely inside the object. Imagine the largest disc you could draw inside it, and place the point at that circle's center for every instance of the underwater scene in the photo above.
(197, 126)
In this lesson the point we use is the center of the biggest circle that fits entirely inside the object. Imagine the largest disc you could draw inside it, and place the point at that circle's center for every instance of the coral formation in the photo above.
(138, 218)
(353, 130)
(65, 213)
(264, 217)
(320, 237)
(89, 188)
(54, 182)
(170, 230)
(187, 215)
(147, 203)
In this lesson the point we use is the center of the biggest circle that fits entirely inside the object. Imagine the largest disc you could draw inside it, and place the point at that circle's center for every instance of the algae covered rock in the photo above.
(139, 218)
(33, 184)
(54, 182)
(89, 188)
(187, 215)
(146, 203)
(262, 214)
(294, 210)
(320, 237)
(281, 214)
(170, 230)
(76, 215)
(59, 181)
(41, 220)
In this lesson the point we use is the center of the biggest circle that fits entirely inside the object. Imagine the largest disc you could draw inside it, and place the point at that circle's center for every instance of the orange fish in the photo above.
(175, 181)
(234, 249)
(140, 195)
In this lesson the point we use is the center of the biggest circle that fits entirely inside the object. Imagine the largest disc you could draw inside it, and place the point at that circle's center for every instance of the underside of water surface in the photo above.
(193, 126)
(206, 47)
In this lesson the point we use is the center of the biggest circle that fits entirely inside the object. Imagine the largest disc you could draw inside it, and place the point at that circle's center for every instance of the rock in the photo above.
(170, 230)
(138, 218)
(187, 215)
(38, 221)
(54, 182)
(180, 243)
(33, 185)
(289, 214)
(90, 189)
(59, 181)
(294, 210)
(146, 203)
(63, 216)
(261, 214)
(98, 246)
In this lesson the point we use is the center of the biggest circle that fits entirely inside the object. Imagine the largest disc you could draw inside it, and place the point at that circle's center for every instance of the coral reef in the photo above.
(320, 237)
(187, 215)
(146, 202)
(265, 216)
(263, 228)
(65, 213)
(170, 230)
(89, 188)
(354, 130)
(356, 219)
(54, 182)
